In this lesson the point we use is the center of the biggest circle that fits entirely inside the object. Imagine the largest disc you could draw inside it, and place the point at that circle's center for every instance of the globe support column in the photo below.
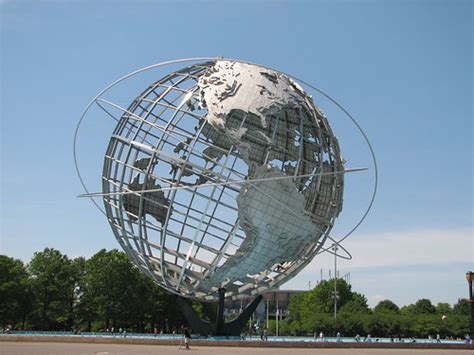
(220, 311)
(219, 327)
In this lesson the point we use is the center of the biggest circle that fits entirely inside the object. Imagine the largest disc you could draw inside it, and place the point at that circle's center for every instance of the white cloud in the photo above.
(419, 247)
(399, 249)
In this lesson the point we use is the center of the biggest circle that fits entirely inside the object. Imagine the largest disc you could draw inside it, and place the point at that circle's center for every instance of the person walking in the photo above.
(187, 338)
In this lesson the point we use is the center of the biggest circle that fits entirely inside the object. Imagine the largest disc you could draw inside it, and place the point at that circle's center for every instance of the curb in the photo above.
(231, 343)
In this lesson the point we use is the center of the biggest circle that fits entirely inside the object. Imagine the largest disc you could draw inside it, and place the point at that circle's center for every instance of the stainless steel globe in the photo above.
(222, 174)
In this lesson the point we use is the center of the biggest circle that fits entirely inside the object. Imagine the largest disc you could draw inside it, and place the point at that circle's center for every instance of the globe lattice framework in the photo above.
(222, 175)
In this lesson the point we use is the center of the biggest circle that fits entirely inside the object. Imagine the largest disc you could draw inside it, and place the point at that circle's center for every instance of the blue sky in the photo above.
(402, 68)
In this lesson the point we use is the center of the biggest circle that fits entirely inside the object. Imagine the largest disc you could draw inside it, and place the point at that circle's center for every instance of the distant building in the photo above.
(273, 299)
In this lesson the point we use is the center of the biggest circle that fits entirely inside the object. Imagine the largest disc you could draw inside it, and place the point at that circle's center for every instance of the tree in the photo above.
(425, 324)
(356, 305)
(162, 310)
(52, 281)
(108, 285)
(295, 307)
(443, 309)
(382, 324)
(424, 306)
(311, 311)
(461, 307)
(15, 295)
(120, 295)
(321, 298)
(386, 306)
(408, 310)
(84, 310)
(351, 324)
(78, 270)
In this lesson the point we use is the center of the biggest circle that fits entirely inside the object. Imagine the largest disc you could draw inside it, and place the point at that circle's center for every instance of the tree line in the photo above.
(54, 292)
(106, 291)
(313, 311)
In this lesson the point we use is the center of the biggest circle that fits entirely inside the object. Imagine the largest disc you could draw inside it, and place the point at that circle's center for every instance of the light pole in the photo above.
(277, 314)
(335, 279)
(268, 310)
(469, 277)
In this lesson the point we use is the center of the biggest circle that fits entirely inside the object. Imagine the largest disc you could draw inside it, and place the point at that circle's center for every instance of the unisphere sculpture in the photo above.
(222, 178)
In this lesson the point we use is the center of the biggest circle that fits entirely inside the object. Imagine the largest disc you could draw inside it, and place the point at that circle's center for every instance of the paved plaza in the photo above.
(27, 348)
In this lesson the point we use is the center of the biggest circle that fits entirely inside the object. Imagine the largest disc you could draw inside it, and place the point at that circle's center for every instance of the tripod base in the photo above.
(219, 328)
